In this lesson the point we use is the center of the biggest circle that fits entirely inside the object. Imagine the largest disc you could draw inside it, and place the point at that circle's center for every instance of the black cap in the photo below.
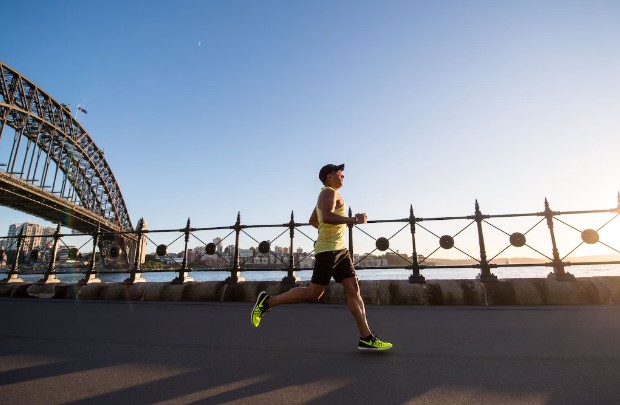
(327, 169)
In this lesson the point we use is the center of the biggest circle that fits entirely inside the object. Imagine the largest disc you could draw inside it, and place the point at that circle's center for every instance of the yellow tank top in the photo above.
(331, 237)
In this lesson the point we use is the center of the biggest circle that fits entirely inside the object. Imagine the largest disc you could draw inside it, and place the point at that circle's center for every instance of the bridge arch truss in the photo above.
(47, 158)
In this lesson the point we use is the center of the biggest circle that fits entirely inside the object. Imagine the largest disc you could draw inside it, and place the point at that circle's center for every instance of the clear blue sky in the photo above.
(207, 108)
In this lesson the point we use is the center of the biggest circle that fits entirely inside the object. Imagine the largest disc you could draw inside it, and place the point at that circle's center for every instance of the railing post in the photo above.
(235, 272)
(485, 269)
(291, 278)
(183, 275)
(50, 274)
(415, 277)
(13, 275)
(90, 276)
(558, 266)
(136, 274)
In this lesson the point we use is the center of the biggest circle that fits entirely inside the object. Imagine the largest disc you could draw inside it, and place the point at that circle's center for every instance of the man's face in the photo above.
(337, 177)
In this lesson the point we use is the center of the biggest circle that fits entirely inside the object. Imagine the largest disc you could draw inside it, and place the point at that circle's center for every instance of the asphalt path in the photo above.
(70, 352)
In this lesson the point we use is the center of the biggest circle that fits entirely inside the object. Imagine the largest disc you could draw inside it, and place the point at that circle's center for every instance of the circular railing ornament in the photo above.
(34, 255)
(162, 250)
(114, 251)
(590, 236)
(382, 244)
(264, 247)
(210, 248)
(446, 242)
(517, 239)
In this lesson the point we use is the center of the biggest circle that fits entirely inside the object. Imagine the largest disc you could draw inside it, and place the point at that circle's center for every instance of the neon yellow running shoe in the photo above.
(373, 344)
(260, 308)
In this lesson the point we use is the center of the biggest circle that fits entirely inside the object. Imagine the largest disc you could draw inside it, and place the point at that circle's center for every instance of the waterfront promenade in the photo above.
(102, 352)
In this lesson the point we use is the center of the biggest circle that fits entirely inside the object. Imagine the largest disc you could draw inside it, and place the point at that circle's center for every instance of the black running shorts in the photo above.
(336, 264)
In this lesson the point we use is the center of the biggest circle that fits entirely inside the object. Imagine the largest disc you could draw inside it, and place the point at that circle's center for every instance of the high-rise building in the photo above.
(35, 236)
(11, 242)
(31, 232)
(218, 244)
(47, 237)
(14, 230)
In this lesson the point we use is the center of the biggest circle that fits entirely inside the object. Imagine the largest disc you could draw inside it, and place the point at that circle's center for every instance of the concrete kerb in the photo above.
(154, 291)
(578, 292)
(91, 291)
(249, 290)
(14, 290)
(196, 291)
(42, 290)
(539, 291)
(514, 292)
(400, 292)
(609, 293)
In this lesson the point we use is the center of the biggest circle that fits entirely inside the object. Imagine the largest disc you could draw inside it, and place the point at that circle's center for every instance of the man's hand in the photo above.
(361, 218)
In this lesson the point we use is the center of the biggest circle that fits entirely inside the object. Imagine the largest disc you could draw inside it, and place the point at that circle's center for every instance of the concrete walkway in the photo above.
(70, 352)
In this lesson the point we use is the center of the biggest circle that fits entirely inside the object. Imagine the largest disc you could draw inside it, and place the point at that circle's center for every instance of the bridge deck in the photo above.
(18, 194)
(55, 352)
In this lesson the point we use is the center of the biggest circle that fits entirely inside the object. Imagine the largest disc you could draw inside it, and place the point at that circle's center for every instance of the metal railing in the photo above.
(55, 256)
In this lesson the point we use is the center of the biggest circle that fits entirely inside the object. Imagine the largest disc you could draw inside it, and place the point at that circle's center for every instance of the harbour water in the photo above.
(368, 274)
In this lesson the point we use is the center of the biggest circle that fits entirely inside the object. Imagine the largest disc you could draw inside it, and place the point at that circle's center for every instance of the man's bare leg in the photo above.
(356, 305)
(297, 295)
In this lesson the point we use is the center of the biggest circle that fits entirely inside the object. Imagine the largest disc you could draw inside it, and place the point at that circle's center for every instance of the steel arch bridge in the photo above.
(51, 167)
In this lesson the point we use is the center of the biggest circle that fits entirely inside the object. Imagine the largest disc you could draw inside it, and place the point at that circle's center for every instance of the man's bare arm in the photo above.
(327, 204)
(314, 219)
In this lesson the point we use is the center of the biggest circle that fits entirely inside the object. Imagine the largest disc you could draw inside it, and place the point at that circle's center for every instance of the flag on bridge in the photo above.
(82, 109)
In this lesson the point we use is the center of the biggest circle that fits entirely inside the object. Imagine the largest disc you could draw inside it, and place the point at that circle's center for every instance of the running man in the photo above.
(332, 259)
